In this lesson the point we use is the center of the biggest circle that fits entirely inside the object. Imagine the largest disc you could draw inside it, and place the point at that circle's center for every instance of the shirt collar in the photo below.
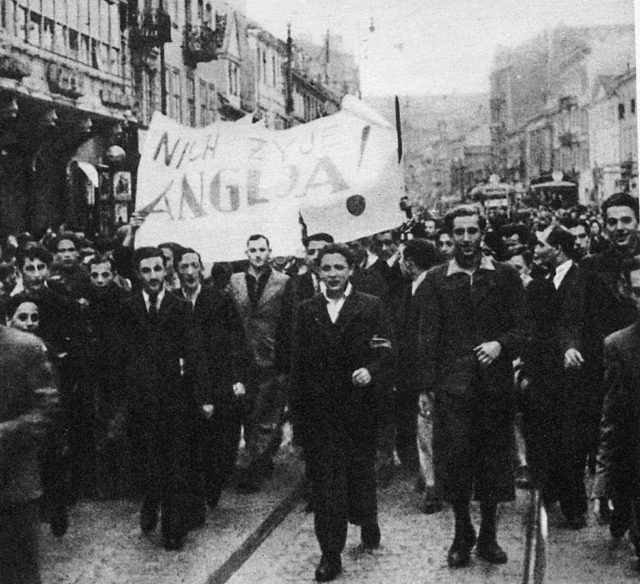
(346, 293)
(194, 298)
(147, 299)
(415, 283)
(264, 274)
(561, 271)
(455, 268)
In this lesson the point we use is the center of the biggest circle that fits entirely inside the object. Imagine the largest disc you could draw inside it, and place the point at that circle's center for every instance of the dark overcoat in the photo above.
(163, 408)
(473, 423)
(340, 418)
(620, 425)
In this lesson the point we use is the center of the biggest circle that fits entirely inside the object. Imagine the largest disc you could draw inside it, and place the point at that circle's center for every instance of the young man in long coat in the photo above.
(167, 383)
(471, 330)
(341, 355)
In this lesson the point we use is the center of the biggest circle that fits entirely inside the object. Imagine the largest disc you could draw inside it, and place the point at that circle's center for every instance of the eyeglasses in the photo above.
(25, 316)
(613, 221)
(460, 231)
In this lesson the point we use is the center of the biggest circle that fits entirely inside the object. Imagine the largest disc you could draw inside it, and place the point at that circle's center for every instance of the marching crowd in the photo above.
(483, 352)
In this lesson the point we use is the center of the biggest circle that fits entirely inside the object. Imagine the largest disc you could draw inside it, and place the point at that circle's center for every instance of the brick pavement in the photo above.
(414, 548)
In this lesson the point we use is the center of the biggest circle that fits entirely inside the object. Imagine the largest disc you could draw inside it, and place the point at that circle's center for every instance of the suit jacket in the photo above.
(159, 360)
(458, 314)
(407, 335)
(260, 323)
(325, 355)
(224, 342)
(619, 450)
(297, 289)
(28, 403)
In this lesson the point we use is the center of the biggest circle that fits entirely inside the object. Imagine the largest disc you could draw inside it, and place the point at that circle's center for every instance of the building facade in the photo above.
(66, 97)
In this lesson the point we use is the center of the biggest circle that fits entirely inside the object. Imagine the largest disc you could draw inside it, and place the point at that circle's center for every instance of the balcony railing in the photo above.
(202, 43)
(152, 28)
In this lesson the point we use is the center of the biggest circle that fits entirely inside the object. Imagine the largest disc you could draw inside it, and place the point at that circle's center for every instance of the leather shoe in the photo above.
(459, 554)
(458, 557)
(491, 552)
(370, 536)
(148, 516)
(329, 568)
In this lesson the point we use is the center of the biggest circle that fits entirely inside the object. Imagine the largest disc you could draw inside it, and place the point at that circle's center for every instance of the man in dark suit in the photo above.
(417, 256)
(258, 295)
(471, 330)
(28, 400)
(620, 427)
(224, 343)
(165, 373)
(564, 365)
(341, 350)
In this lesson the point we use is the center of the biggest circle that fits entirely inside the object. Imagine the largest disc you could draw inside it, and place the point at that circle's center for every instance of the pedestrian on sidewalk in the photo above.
(341, 355)
(471, 330)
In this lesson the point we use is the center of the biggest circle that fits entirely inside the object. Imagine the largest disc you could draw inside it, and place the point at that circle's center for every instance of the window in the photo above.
(208, 15)
(191, 100)
(200, 11)
(621, 111)
(176, 99)
(273, 71)
(212, 103)
(633, 106)
(85, 30)
(234, 86)
(203, 103)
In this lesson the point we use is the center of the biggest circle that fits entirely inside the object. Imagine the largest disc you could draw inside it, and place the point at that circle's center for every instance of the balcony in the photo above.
(202, 43)
(152, 29)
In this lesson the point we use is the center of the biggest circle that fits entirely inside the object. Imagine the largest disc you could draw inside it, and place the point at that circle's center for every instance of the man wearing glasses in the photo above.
(470, 332)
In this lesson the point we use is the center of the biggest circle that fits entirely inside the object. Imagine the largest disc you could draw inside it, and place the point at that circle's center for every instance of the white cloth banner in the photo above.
(210, 188)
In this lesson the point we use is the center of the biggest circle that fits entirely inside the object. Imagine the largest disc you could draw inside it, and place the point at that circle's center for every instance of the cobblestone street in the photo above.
(104, 544)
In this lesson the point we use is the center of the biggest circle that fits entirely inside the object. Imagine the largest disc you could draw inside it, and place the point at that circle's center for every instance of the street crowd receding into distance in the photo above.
(484, 350)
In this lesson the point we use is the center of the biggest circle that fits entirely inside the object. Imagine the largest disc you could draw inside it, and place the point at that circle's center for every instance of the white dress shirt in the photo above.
(334, 305)
(147, 300)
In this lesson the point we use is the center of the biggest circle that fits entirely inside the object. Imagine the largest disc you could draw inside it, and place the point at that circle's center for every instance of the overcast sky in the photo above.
(430, 46)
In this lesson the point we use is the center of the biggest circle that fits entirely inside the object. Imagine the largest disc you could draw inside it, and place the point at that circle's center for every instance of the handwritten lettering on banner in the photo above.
(212, 187)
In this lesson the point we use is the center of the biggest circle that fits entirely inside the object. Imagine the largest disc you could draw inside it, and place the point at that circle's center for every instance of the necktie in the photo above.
(153, 308)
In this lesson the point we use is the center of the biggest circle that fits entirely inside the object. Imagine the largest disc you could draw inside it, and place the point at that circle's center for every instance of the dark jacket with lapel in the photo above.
(260, 323)
(224, 342)
(325, 355)
(158, 356)
(458, 314)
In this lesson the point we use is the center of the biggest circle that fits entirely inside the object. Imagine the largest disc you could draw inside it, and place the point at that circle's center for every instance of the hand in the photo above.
(425, 404)
(361, 377)
(208, 410)
(602, 510)
(136, 220)
(239, 389)
(488, 352)
(573, 359)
